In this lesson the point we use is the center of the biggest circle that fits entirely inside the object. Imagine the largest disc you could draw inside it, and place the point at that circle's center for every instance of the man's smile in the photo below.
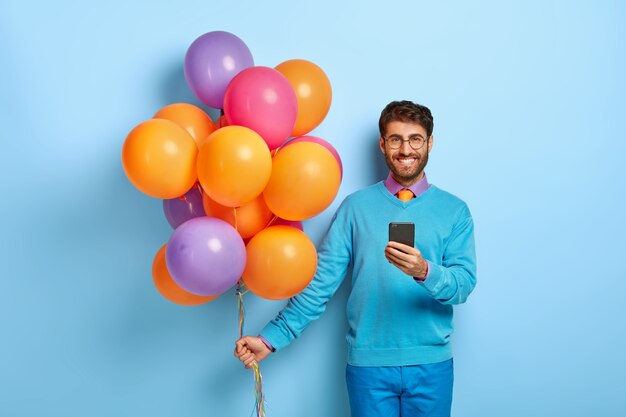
(406, 160)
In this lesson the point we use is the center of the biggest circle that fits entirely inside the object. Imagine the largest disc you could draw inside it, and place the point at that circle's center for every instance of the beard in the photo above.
(409, 174)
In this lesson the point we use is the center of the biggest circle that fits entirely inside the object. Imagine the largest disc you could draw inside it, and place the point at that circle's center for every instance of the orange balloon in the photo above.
(305, 180)
(313, 92)
(248, 219)
(280, 262)
(191, 118)
(234, 165)
(169, 288)
(159, 158)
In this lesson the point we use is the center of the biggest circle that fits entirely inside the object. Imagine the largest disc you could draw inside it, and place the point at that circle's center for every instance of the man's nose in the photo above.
(405, 147)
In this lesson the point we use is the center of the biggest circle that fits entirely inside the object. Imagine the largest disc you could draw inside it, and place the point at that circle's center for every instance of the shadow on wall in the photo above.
(380, 165)
(176, 90)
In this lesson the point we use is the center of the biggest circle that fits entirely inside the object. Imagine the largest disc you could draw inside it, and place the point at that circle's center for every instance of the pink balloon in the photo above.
(263, 100)
(292, 223)
(319, 141)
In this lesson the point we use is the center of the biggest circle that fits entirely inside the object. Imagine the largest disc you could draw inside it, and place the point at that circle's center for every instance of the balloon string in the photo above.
(242, 311)
(275, 151)
(259, 404)
(184, 196)
(258, 391)
(272, 220)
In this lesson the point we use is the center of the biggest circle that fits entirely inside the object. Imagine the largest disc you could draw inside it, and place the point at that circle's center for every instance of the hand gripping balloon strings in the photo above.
(259, 404)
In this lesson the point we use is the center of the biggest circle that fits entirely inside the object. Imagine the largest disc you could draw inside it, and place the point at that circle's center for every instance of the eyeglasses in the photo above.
(415, 142)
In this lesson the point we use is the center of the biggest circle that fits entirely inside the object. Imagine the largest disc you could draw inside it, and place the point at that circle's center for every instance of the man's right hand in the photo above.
(250, 349)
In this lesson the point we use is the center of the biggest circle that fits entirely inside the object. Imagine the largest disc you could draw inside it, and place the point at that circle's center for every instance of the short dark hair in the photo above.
(407, 112)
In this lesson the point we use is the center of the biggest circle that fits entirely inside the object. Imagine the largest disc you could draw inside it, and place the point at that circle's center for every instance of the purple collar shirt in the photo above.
(418, 188)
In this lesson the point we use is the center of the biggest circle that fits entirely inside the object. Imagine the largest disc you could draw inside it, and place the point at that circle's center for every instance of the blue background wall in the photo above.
(529, 101)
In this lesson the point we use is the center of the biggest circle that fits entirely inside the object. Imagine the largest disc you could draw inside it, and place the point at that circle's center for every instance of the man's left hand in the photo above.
(406, 258)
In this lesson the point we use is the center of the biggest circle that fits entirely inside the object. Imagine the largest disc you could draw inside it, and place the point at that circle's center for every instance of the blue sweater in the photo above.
(393, 320)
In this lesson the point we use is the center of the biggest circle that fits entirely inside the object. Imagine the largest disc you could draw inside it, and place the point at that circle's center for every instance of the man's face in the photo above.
(406, 164)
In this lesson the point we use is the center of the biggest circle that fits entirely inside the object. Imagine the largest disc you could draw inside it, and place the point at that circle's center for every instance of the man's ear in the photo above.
(430, 143)
(381, 144)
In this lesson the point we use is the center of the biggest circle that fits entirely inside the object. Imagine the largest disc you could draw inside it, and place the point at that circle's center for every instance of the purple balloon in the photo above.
(205, 256)
(211, 62)
(179, 210)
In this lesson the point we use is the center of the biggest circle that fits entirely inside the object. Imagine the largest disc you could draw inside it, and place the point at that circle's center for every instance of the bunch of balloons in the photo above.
(236, 191)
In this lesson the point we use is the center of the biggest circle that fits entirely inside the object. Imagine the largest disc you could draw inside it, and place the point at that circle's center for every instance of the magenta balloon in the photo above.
(179, 210)
(292, 223)
(319, 141)
(205, 256)
(263, 100)
(211, 62)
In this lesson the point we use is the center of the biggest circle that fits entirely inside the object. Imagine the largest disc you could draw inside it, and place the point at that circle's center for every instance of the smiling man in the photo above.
(400, 305)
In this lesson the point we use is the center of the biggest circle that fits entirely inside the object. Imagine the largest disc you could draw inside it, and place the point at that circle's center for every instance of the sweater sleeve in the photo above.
(452, 281)
(334, 256)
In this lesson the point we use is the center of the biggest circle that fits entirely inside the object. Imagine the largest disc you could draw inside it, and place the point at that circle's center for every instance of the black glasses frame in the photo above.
(407, 140)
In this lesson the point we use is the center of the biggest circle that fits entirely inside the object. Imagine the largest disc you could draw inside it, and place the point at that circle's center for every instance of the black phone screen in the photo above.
(402, 232)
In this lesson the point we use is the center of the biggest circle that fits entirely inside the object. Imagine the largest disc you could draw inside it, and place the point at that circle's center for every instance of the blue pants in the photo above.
(401, 391)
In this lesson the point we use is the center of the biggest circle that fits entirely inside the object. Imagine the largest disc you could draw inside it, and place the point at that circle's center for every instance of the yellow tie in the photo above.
(405, 195)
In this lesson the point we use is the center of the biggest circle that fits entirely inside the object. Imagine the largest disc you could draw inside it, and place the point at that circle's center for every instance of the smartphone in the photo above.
(402, 232)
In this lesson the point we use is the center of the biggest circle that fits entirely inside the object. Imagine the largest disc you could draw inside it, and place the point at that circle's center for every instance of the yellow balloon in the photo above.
(234, 165)
(305, 180)
(280, 262)
(159, 158)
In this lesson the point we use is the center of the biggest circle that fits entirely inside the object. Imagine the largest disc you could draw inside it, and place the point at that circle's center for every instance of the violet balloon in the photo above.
(211, 62)
(262, 99)
(179, 210)
(205, 256)
(319, 141)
